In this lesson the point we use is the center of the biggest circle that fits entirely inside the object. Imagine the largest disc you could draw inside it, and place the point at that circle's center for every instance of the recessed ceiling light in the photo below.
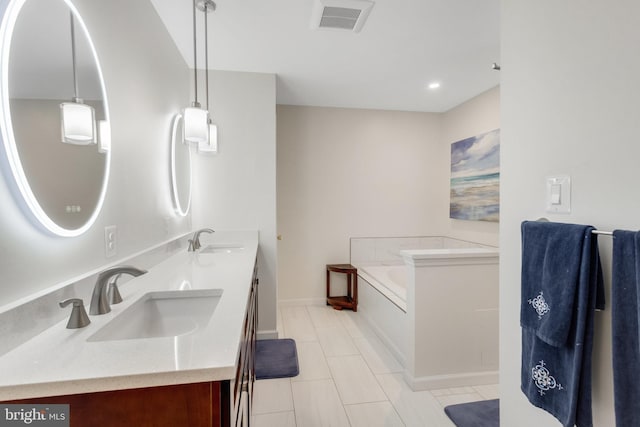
(434, 85)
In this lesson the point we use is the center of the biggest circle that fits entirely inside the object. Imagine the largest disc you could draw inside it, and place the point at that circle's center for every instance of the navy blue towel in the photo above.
(553, 257)
(624, 327)
(561, 287)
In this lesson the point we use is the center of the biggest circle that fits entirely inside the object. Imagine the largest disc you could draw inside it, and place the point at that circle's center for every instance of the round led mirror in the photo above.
(54, 113)
(180, 168)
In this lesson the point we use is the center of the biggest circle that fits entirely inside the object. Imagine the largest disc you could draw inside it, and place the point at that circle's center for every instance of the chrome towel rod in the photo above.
(603, 233)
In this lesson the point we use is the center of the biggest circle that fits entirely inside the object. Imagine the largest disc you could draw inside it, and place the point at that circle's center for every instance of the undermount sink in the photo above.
(162, 314)
(220, 248)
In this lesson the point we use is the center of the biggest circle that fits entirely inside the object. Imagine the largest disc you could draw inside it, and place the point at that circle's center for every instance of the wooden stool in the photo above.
(351, 300)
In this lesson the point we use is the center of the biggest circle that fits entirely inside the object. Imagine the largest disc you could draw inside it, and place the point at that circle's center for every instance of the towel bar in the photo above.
(603, 233)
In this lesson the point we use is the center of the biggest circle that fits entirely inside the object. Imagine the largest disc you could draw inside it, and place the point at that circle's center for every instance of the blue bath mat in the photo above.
(475, 414)
(276, 359)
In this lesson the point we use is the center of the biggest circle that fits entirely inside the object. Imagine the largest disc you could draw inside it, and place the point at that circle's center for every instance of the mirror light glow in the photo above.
(175, 192)
(8, 138)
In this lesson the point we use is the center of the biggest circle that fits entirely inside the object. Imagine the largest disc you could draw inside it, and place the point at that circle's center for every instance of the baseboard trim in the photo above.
(267, 335)
(453, 380)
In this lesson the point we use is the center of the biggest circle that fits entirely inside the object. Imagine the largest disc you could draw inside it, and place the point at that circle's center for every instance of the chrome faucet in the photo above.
(78, 318)
(99, 300)
(113, 293)
(194, 243)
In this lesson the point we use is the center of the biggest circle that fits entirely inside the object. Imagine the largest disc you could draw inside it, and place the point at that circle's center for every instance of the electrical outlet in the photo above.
(110, 241)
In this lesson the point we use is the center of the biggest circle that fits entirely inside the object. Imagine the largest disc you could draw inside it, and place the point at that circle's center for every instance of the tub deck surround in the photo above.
(61, 361)
(450, 256)
(434, 302)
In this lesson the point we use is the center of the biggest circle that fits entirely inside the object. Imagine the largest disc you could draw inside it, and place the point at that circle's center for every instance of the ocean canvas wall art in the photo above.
(475, 178)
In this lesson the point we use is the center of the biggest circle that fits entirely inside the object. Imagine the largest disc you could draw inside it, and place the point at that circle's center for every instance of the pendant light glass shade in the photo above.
(195, 125)
(104, 136)
(78, 123)
(211, 146)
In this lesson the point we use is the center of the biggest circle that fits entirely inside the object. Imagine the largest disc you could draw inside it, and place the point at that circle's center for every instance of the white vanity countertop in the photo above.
(61, 361)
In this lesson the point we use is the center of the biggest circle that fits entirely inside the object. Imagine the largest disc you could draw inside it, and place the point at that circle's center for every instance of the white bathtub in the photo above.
(380, 260)
(436, 308)
(389, 280)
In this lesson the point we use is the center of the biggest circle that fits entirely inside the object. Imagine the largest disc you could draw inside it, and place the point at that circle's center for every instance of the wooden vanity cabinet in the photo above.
(245, 372)
(206, 404)
(185, 405)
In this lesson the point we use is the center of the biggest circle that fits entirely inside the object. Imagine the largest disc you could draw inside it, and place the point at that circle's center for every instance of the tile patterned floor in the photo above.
(348, 378)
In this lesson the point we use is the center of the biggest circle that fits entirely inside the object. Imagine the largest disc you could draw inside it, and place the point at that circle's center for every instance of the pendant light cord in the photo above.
(206, 52)
(73, 58)
(195, 56)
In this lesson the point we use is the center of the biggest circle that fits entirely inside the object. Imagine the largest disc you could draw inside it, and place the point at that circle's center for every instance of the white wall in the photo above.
(236, 189)
(367, 173)
(147, 81)
(352, 173)
(476, 116)
(569, 106)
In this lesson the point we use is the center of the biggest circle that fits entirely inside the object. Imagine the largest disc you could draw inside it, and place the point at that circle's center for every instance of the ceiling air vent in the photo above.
(340, 14)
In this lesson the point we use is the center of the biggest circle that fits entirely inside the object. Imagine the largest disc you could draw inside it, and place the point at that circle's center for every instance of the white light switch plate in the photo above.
(559, 194)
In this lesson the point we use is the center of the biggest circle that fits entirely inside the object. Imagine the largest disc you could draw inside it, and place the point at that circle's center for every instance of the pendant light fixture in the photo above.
(78, 123)
(211, 145)
(195, 119)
